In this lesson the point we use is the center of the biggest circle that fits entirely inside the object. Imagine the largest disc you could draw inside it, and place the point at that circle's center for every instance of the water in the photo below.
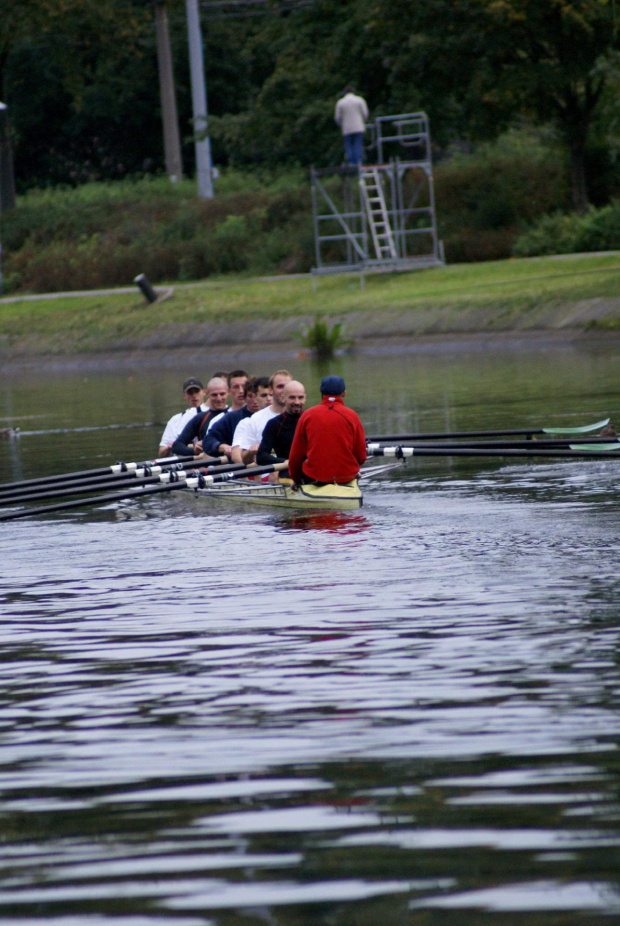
(402, 715)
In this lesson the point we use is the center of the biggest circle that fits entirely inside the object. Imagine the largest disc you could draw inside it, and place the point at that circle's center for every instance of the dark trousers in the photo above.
(354, 148)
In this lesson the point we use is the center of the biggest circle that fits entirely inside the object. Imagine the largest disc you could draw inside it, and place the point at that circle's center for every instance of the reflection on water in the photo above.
(336, 522)
(406, 714)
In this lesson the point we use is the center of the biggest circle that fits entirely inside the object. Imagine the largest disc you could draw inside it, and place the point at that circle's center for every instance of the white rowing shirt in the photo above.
(250, 430)
(176, 425)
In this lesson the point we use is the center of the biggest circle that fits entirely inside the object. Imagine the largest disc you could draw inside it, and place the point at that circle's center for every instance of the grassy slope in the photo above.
(576, 291)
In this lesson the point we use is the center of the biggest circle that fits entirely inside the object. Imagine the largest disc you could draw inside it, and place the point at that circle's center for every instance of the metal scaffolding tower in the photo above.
(379, 216)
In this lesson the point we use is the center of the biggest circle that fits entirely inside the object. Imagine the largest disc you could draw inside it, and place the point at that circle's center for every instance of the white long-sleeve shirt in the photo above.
(176, 425)
(250, 430)
(351, 113)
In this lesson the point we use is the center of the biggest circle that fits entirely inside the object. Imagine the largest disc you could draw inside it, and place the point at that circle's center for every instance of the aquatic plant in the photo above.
(323, 340)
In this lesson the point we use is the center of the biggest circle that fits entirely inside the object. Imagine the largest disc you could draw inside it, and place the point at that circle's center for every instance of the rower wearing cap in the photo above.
(329, 444)
(194, 393)
(190, 439)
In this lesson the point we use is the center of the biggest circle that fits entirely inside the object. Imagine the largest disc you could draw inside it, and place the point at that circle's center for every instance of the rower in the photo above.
(219, 437)
(236, 385)
(190, 439)
(194, 393)
(275, 445)
(329, 444)
(248, 432)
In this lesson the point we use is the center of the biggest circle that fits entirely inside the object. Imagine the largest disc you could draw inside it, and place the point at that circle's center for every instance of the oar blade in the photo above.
(593, 448)
(597, 426)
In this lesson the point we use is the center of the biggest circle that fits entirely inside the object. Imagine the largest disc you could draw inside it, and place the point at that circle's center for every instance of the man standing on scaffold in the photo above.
(351, 115)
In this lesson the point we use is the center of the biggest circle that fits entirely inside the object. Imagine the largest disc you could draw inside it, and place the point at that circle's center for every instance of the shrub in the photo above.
(484, 197)
(231, 245)
(551, 234)
(601, 229)
(103, 234)
(598, 230)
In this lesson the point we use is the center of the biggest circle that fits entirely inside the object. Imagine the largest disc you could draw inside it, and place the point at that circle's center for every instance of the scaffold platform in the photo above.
(379, 217)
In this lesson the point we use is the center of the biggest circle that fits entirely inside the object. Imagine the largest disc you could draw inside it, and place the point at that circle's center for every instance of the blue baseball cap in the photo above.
(332, 385)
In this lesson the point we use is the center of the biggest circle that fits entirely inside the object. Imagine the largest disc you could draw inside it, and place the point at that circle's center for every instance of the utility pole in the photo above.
(199, 102)
(170, 119)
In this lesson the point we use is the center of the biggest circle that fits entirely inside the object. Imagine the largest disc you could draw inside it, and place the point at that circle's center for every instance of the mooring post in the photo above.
(145, 288)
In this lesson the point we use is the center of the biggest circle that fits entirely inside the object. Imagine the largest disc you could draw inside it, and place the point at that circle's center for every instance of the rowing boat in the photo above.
(283, 494)
(138, 480)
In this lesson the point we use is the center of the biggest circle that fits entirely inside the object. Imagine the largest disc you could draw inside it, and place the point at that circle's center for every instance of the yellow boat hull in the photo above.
(329, 497)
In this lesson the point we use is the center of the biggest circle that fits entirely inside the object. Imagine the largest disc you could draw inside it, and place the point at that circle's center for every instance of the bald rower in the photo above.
(190, 439)
(249, 432)
(279, 432)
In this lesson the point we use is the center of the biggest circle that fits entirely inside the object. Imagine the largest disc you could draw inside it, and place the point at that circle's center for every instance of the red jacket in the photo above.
(329, 443)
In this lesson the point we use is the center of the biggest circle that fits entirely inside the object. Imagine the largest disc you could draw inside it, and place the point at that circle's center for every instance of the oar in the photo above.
(615, 445)
(116, 469)
(400, 452)
(140, 477)
(369, 472)
(192, 482)
(512, 444)
(102, 427)
(449, 435)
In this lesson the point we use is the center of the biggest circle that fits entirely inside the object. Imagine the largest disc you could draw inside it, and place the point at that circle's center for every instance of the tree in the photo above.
(489, 60)
(72, 71)
(299, 64)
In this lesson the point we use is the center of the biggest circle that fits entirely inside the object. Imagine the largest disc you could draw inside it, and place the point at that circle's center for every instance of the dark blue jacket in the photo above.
(223, 430)
(277, 438)
(196, 427)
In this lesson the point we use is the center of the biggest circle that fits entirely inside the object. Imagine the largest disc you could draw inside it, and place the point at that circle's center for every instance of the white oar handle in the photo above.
(124, 468)
(380, 450)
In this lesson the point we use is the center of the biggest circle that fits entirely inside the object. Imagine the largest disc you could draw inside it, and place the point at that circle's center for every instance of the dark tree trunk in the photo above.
(579, 187)
(7, 176)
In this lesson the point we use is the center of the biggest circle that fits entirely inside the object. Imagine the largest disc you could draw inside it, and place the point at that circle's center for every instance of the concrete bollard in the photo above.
(145, 288)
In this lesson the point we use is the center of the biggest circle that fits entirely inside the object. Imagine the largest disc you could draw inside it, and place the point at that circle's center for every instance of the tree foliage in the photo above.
(69, 71)
(479, 63)
(80, 77)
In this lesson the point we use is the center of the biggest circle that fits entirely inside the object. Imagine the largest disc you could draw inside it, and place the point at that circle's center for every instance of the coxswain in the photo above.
(249, 432)
(194, 394)
(275, 445)
(190, 439)
(219, 438)
(329, 444)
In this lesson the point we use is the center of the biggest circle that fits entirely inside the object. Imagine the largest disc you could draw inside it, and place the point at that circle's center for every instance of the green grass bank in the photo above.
(577, 293)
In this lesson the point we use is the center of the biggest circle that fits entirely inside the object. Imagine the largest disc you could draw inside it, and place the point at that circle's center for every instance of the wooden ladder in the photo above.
(378, 219)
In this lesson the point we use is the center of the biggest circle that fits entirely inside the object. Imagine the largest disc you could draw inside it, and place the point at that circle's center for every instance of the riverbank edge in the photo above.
(457, 311)
(373, 335)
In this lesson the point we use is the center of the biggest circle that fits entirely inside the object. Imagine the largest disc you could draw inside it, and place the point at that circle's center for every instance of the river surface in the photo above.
(406, 715)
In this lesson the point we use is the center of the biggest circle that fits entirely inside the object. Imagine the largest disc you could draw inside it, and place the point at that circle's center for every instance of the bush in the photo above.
(551, 234)
(484, 198)
(598, 230)
(104, 234)
(601, 230)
